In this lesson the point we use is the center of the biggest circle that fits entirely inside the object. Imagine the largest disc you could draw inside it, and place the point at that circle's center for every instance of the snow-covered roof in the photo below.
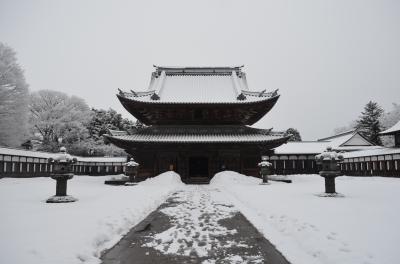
(102, 159)
(351, 139)
(348, 141)
(372, 152)
(25, 153)
(345, 133)
(393, 129)
(200, 134)
(46, 155)
(302, 147)
(198, 85)
(117, 132)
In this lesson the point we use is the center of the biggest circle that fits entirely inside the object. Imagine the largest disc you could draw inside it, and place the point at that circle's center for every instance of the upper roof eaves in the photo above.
(199, 85)
(171, 70)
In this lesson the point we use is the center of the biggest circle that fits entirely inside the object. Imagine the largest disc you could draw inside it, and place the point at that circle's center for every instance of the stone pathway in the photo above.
(194, 226)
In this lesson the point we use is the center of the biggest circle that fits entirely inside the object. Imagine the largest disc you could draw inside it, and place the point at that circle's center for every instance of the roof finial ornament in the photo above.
(155, 97)
(241, 97)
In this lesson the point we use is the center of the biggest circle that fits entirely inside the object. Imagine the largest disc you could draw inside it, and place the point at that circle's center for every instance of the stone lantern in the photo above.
(329, 169)
(131, 170)
(62, 172)
(264, 170)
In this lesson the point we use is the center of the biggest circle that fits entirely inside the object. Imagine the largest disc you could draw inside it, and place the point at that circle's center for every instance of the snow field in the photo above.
(361, 227)
(32, 231)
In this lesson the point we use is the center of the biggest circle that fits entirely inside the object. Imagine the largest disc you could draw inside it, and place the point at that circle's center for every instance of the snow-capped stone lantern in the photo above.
(131, 170)
(264, 170)
(330, 169)
(62, 172)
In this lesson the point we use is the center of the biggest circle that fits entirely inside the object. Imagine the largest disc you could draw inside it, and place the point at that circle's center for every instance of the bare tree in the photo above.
(13, 99)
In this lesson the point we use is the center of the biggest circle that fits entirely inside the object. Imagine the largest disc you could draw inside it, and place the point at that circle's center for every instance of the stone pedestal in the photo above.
(62, 172)
(330, 185)
(264, 171)
(131, 170)
(328, 160)
(61, 189)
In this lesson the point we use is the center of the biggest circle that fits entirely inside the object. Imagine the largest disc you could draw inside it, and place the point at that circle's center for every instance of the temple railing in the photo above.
(374, 165)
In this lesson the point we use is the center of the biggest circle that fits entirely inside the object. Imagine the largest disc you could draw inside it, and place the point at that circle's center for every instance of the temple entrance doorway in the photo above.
(198, 169)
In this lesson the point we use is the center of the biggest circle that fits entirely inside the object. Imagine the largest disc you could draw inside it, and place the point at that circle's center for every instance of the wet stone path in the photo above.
(195, 225)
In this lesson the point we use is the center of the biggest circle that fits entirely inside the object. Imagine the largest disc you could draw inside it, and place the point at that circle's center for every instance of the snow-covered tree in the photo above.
(57, 117)
(13, 99)
(294, 134)
(352, 125)
(388, 120)
(369, 122)
(103, 120)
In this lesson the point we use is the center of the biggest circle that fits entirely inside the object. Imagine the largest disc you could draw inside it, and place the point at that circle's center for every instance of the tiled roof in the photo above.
(25, 153)
(198, 85)
(201, 134)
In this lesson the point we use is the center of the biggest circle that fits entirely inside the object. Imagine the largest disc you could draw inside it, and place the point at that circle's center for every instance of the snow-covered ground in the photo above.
(362, 227)
(32, 231)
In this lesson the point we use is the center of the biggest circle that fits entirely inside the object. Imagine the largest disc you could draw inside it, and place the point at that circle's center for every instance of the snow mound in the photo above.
(166, 178)
(226, 178)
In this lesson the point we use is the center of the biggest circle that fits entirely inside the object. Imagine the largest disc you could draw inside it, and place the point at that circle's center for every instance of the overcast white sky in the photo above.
(328, 58)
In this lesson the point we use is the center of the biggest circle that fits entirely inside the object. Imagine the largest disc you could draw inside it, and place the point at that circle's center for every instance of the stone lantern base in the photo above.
(61, 189)
(61, 199)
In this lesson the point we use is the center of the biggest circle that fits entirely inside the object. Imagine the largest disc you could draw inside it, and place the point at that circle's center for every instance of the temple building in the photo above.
(197, 122)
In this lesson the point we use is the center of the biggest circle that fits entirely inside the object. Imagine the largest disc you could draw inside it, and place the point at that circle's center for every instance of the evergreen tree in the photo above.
(294, 134)
(368, 123)
(103, 120)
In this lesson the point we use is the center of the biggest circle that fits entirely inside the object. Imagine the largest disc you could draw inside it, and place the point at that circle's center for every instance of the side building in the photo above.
(299, 157)
(197, 123)
(381, 161)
